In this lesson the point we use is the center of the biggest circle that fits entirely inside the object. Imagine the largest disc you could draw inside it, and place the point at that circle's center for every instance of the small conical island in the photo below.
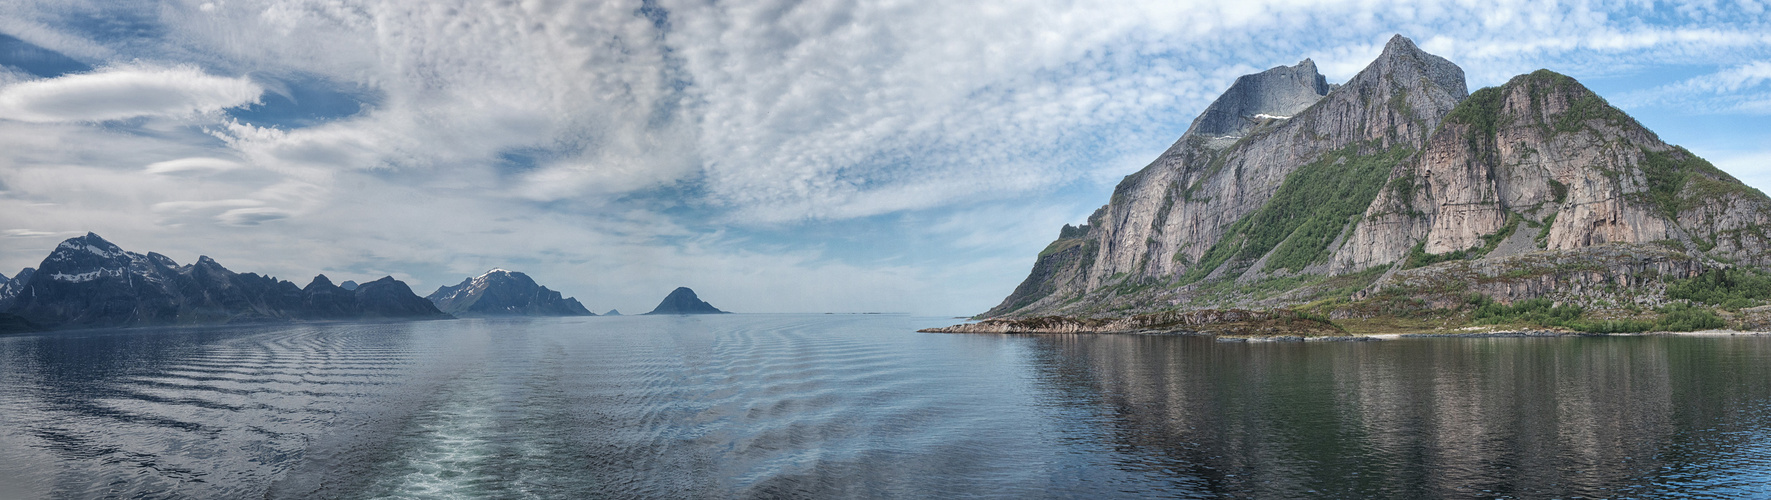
(683, 301)
(613, 312)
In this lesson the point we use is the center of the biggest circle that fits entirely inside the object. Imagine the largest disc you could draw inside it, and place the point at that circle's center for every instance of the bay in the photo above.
(772, 406)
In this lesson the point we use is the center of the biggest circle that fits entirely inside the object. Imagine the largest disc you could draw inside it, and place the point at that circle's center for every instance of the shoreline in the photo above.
(1350, 337)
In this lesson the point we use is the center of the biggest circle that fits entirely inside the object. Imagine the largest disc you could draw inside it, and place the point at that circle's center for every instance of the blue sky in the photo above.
(813, 156)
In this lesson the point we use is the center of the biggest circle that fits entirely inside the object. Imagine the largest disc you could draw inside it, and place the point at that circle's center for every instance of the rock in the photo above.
(504, 293)
(391, 298)
(11, 287)
(1163, 219)
(683, 301)
(1398, 168)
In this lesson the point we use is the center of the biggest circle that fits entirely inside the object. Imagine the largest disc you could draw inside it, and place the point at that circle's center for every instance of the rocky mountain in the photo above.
(504, 293)
(1396, 175)
(9, 288)
(683, 301)
(348, 285)
(89, 282)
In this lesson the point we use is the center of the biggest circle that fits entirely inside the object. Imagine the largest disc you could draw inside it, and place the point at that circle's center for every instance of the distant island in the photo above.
(683, 301)
(501, 292)
(612, 312)
(88, 282)
(1399, 202)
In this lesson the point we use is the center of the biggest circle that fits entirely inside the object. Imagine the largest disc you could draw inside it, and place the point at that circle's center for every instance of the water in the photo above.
(862, 406)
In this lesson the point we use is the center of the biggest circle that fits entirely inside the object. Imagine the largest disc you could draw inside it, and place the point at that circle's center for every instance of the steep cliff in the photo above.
(1186, 215)
(1395, 180)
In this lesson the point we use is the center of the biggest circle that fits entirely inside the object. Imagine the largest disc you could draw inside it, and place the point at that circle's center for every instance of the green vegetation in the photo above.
(1541, 312)
(1308, 211)
(1543, 235)
(1480, 111)
(1731, 289)
(1059, 246)
(1675, 317)
(1682, 317)
(1418, 256)
(1559, 190)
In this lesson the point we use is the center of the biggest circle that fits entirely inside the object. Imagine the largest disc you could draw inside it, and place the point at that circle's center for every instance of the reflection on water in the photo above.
(1559, 417)
(773, 406)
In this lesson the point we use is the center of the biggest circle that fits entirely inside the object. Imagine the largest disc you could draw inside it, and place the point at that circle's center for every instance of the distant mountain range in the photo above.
(683, 301)
(504, 293)
(89, 282)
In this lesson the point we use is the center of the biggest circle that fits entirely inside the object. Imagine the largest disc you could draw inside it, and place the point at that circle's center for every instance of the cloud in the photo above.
(125, 92)
(620, 145)
(191, 166)
(1738, 89)
(252, 216)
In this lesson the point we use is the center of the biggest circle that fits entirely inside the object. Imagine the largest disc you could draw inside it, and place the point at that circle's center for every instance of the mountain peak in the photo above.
(1275, 94)
(502, 292)
(1402, 52)
(319, 280)
(683, 301)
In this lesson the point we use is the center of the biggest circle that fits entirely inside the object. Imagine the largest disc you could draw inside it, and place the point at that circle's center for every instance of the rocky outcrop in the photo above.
(1394, 170)
(504, 293)
(1610, 276)
(683, 301)
(1164, 220)
(1260, 98)
(90, 282)
(1211, 322)
(10, 288)
(1545, 152)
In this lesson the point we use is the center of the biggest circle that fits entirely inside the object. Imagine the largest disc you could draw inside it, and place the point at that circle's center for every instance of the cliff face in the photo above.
(1396, 169)
(1164, 219)
(1544, 161)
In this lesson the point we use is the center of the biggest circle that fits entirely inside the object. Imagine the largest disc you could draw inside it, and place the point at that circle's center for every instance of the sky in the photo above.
(775, 156)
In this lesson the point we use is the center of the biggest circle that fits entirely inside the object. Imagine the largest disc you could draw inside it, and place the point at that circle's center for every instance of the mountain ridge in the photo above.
(501, 292)
(89, 282)
(1392, 176)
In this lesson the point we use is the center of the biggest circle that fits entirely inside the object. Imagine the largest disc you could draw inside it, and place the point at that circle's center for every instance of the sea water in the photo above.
(777, 406)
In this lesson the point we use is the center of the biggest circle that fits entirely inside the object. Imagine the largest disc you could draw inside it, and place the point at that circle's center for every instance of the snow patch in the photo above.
(1265, 116)
(86, 276)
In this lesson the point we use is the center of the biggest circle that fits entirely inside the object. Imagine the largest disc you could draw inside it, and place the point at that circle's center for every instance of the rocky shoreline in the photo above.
(1257, 326)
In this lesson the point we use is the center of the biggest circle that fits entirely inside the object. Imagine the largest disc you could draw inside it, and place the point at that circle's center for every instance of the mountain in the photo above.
(90, 282)
(9, 288)
(1400, 185)
(683, 301)
(612, 312)
(504, 293)
(348, 285)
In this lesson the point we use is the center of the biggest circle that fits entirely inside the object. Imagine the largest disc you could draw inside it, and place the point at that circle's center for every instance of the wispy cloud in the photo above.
(125, 92)
(1744, 88)
(611, 143)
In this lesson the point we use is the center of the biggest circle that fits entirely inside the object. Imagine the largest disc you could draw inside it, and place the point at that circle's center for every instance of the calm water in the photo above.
(820, 406)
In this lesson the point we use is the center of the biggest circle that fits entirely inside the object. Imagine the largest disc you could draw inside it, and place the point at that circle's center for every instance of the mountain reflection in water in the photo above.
(1533, 417)
(773, 406)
